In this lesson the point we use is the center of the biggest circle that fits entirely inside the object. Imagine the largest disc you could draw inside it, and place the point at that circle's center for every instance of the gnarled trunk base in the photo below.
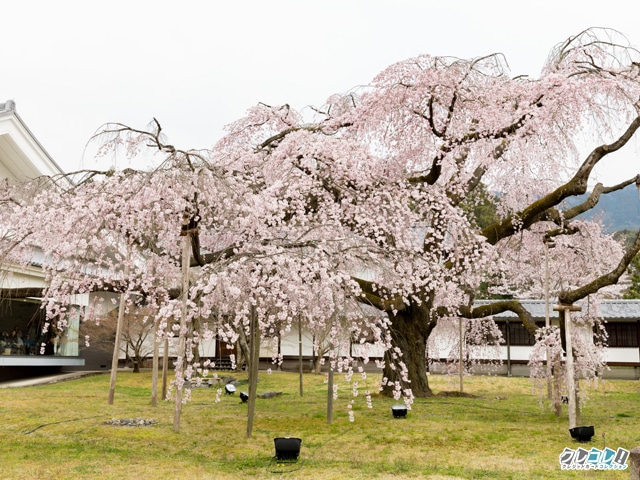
(409, 332)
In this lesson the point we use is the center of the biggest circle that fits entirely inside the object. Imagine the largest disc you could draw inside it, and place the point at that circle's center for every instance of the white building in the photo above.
(22, 157)
(621, 321)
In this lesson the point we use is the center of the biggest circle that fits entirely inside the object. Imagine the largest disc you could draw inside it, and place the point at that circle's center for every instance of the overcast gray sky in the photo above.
(72, 66)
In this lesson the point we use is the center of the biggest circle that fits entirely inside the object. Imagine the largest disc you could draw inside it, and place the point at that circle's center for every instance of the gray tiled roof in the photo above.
(609, 309)
(629, 309)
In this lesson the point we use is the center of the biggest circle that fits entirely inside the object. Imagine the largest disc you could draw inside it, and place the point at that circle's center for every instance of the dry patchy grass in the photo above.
(502, 430)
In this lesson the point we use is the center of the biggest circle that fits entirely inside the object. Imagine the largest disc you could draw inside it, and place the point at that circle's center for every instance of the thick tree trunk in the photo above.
(409, 332)
(137, 360)
(317, 365)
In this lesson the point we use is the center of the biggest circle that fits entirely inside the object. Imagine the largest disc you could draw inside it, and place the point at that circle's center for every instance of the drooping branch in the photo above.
(200, 259)
(582, 175)
(595, 196)
(328, 184)
(471, 137)
(571, 296)
(430, 117)
(274, 140)
(494, 308)
(542, 208)
(155, 139)
(562, 218)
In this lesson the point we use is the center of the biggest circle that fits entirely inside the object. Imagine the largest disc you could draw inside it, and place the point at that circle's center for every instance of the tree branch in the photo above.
(493, 308)
(376, 296)
(577, 185)
(571, 296)
(595, 196)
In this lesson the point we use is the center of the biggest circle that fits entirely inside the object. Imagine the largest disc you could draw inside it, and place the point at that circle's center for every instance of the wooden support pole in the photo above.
(254, 349)
(571, 384)
(300, 353)
(547, 321)
(508, 349)
(186, 263)
(330, 396)
(116, 347)
(461, 352)
(155, 366)
(165, 367)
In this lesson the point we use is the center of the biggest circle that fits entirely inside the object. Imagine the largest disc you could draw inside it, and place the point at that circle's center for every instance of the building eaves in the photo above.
(607, 309)
(9, 108)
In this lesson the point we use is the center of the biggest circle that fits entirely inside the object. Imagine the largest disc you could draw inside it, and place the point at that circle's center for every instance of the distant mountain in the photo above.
(616, 211)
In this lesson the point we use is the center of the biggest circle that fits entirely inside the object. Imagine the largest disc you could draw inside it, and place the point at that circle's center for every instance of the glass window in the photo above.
(518, 335)
(622, 334)
(22, 333)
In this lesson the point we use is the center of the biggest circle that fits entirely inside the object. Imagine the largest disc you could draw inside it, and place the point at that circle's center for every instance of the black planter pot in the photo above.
(287, 448)
(582, 434)
(399, 411)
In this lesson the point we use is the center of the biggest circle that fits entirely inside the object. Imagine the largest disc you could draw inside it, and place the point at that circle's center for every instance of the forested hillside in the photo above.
(617, 211)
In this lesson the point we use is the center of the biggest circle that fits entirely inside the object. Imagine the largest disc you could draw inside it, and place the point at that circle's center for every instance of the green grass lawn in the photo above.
(58, 431)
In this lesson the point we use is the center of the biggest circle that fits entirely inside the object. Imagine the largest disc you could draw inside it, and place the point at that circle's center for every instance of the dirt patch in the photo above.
(457, 394)
(130, 422)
